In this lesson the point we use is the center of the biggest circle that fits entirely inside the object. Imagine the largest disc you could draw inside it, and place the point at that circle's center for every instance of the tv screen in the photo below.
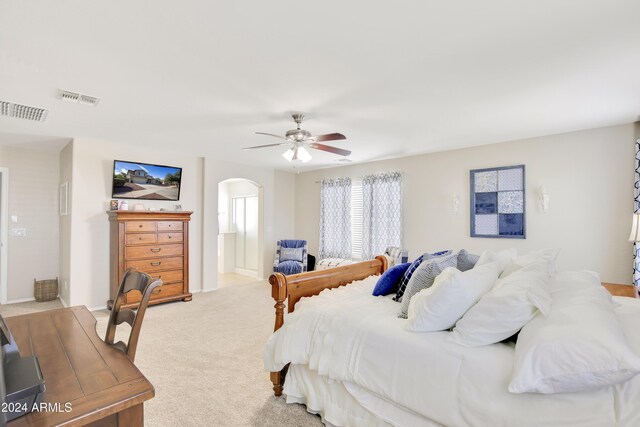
(143, 181)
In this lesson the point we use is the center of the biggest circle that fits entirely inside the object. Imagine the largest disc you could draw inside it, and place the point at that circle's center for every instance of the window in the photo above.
(360, 218)
(356, 219)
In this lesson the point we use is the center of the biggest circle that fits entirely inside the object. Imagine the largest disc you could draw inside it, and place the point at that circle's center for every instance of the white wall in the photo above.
(92, 185)
(588, 174)
(33, 197)
(285, 196)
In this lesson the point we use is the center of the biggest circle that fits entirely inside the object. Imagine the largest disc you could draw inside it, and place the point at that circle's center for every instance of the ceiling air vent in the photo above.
(20, 111)
(77, 98)
(88, 100)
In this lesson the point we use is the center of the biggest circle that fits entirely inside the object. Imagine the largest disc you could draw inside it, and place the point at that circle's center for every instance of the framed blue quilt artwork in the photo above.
(498, 202)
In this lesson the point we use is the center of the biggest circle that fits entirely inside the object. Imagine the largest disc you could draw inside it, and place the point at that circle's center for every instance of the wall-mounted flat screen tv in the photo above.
(143, 181)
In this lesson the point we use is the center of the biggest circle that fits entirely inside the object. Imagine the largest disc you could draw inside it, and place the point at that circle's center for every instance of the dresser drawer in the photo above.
(156, 264)
(168, 276)
(169, 237)
(169, 225)
(139, 238)
(152, 251)
(167, 290)
(159, 292)
(141, 226)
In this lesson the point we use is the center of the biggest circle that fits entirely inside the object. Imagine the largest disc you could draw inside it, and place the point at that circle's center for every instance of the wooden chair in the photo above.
(132, 280)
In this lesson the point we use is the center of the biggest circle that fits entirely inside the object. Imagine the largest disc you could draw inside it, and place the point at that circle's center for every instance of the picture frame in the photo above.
(498, 208)
(64, 198)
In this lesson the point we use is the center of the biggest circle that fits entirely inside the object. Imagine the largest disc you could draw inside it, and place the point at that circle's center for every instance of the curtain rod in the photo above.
(401, 173)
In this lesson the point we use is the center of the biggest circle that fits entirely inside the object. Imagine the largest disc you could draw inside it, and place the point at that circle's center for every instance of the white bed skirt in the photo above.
(343, 405)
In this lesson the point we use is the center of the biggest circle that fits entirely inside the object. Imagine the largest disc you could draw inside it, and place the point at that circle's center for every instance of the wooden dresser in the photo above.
(155, 242)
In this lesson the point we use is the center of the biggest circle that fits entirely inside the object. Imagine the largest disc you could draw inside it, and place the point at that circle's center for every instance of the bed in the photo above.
(368, 370)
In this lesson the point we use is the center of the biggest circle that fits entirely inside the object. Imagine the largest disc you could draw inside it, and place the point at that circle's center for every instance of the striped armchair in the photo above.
(395, 255)
(291, 257)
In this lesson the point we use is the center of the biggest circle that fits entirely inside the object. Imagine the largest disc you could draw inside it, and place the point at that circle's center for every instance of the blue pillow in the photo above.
(390, 279)
(413, 267)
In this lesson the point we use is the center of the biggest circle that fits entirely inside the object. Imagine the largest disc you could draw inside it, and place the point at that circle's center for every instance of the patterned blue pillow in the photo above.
(291, 254)
(390, 279)
(414, 265)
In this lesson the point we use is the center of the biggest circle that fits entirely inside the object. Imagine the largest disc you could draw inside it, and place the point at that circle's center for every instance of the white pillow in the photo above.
(544, 255)
(578, 346)
(502, 312)
(503, 258)
(453, 292)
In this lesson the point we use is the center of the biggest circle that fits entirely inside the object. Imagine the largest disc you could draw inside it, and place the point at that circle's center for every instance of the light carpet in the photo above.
(204, 358)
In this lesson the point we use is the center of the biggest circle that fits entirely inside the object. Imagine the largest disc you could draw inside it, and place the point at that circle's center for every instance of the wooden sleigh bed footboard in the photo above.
(296, 286)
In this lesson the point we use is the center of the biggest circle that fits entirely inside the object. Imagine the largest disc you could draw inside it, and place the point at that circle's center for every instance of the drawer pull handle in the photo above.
(157, 263)
(140, 226)
(156, 290)
(156, 249)
(140, 238)
(170, 225)
(170, 237)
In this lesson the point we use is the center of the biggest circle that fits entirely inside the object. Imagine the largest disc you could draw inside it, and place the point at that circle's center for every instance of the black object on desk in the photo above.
(21, 381)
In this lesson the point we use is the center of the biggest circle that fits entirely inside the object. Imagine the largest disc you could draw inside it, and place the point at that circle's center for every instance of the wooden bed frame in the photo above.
(294, 287)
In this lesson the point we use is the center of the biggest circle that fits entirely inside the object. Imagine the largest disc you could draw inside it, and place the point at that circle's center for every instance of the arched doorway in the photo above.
(240, 231)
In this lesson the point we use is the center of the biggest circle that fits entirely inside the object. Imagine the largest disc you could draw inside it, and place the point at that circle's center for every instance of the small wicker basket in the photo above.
(45, 290)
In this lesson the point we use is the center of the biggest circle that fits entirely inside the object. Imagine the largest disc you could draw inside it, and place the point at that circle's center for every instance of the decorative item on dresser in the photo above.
(156, 243)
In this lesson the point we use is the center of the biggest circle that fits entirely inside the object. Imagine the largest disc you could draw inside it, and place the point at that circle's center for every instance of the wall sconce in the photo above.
(635, 229)
(455, 203)
(544, 198)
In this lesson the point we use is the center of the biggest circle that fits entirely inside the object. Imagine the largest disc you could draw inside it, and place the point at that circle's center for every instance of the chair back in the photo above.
(132, 280)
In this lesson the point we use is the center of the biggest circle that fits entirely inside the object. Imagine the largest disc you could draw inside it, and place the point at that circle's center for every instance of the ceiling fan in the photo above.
(299, 140)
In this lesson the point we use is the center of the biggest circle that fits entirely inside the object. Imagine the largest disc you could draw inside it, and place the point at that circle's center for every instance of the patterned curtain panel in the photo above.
(636, 209)
(382, 213)
(335, 218)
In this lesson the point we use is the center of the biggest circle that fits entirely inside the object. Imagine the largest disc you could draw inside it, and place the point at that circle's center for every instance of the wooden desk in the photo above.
(102, 385)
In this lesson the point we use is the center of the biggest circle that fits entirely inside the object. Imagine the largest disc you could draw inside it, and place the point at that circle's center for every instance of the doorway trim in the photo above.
(4, 230)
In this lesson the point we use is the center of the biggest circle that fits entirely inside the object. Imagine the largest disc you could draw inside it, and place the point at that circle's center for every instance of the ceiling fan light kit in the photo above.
(300, 140)
(297, 153)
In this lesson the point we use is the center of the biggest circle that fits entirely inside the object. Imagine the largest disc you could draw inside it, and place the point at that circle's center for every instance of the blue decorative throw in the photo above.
(390, 280)
(414, 265)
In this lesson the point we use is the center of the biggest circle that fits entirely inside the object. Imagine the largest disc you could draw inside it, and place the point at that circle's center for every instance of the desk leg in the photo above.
(131, 417)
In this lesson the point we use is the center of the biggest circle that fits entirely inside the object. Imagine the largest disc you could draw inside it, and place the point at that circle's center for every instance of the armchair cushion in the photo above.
(289, 267)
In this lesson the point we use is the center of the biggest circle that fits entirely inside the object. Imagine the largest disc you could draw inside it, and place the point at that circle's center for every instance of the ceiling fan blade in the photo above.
(327, 137)
(266, 145)
(330, 149)
(271, 134)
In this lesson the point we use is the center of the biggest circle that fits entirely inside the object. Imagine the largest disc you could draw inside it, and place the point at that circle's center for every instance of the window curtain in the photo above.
(636, 209)
(335, 218)
(382, 213)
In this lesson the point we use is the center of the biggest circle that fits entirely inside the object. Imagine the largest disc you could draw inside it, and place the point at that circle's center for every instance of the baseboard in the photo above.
(18, 301)
(208, 290)
(250, 273)
(195, 291)
(62, 301)
(100, 307)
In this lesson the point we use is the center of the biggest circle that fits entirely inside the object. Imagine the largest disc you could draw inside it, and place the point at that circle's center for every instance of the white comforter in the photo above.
(347, 335)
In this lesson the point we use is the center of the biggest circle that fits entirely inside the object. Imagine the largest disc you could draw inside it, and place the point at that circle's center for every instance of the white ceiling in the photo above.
(397, 78)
